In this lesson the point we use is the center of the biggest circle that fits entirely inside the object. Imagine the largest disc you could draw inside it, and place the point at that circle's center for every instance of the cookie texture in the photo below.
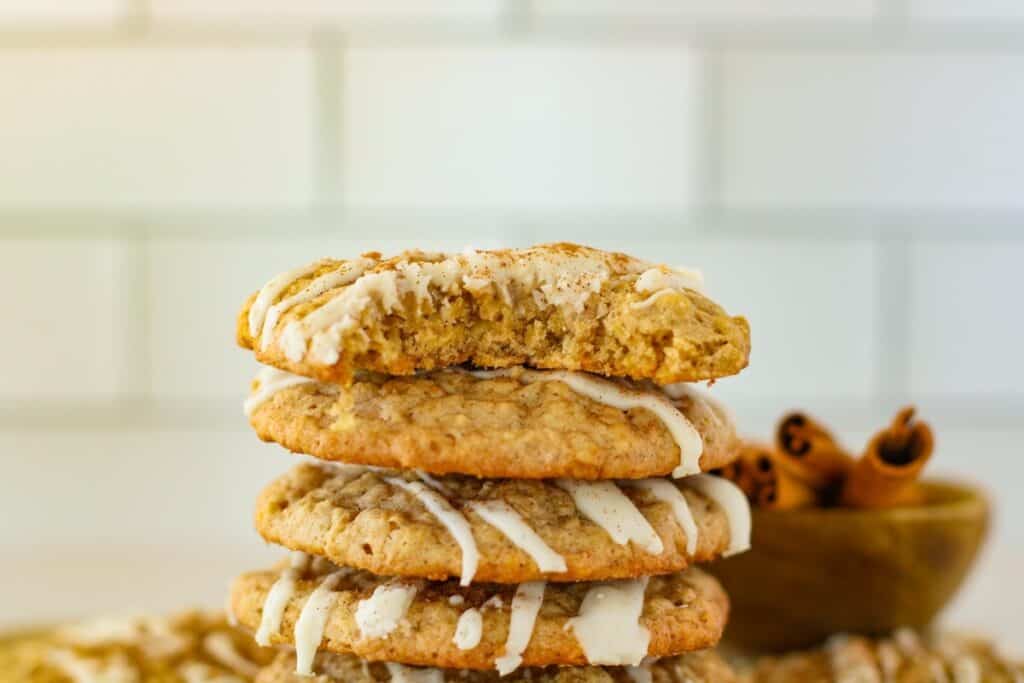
(452, 422)
(704, 666)
(905, 657)
(682, 612)
(356, 518)
(182, 648)
(549, 306)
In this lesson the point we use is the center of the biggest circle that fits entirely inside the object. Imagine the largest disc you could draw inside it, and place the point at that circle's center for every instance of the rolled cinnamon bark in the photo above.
(756, 471)
(886, 475)
(810, 452)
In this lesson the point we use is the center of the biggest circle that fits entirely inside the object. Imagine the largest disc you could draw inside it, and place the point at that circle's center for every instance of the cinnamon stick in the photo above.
(810, 452)
(886, 474)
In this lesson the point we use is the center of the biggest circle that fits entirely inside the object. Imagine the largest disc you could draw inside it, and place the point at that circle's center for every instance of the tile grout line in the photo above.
(892, 310)
(328, 128)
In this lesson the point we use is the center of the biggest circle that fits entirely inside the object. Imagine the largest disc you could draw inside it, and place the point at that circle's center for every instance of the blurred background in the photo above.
(847, 174)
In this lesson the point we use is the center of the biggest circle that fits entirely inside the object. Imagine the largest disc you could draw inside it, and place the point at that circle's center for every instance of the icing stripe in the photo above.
(603, 503)
(608, 625)
(271, 290)
(277, 598)
(380, 614)
(731, 499)
(456, 524)
(433, 483)
(469, 630)
(271, 381)
(669, 493)
(505, 519)
(686, 436)
(525, 607)
(345, 275)
(309, 627)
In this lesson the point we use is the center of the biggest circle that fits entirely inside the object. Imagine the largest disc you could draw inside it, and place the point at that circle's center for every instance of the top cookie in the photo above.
(550, 306)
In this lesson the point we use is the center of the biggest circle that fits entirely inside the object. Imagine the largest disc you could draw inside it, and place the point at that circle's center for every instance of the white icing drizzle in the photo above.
(469, 630)
(662, 278)
(505, 519)
(650, 301)
(82, 670)
(405, 674)
(608, 625)
(433, 483)
(686, 436)
(525, 606)
(669, 493)
(309, 627)
(344, 275)
(277, 598)
(273, 289)
(731, 499)
(494, 602)
(603, 503)
(380, 614)
(456, 600)
(271, 381)
(456, 524)
(966, 669)
(222, 649)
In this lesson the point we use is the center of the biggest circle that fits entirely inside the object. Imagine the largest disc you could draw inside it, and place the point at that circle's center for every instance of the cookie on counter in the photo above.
(549, 306)
(183, 648)
(314, 605)
(407, 524)
(516, 423)
(905, 657)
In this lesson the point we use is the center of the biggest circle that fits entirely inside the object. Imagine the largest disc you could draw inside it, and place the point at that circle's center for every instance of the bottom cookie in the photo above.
(314, 605)
(704, 666)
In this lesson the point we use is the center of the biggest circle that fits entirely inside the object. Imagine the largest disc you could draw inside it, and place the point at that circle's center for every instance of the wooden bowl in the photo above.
(816, 572)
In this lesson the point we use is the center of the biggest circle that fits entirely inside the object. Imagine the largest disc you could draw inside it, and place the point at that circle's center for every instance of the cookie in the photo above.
(522, 424)
(398, 524)
(550, 306)
(484, 626)
(905, 657)
(704, 666)
(183, 648)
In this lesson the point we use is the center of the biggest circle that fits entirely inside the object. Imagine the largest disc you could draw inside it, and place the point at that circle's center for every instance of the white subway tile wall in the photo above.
(519, 126)
(59, 12)
(156, 126)
(274, 11)
(892, 130)
(846, 176)
(742, 10)
(62, 327)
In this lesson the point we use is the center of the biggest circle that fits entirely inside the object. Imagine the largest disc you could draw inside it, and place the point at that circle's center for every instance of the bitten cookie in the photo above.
(401, 524)
(550, 306)
(704, 666)
(484, 626)
(515, 423)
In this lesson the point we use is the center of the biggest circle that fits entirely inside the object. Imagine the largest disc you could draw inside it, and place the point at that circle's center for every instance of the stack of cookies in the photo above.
(507, 468)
